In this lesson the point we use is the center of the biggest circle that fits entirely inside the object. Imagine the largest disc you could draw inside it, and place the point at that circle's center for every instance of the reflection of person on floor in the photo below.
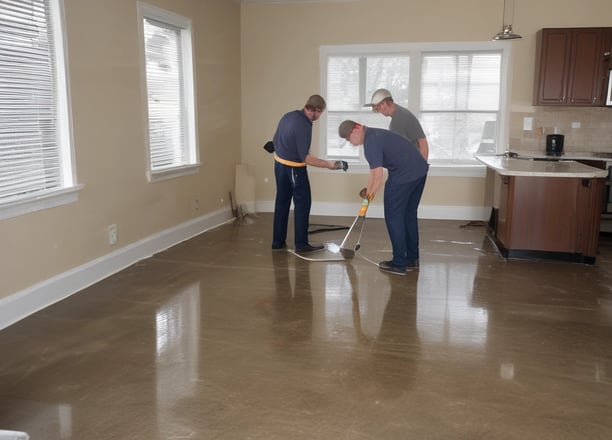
(293, 308)
(395, 351)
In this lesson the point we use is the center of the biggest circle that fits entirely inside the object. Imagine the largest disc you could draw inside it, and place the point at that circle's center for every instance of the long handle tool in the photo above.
(350, 244)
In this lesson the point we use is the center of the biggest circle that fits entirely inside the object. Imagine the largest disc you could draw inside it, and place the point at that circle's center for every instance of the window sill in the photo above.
(457, 170)
(156, 176)
(435, 170)
(38, 202)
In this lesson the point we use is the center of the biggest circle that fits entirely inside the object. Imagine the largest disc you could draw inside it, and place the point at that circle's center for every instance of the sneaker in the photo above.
(309, 248)
(282, 245)
(388, 266)
(412, 265)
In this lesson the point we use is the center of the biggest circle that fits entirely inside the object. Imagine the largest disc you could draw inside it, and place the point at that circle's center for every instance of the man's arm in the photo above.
(423, 147)
(375, 181)
(320, 163)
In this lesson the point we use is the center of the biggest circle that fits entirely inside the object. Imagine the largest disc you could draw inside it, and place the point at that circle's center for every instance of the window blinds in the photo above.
(30, 156)
(166, 95)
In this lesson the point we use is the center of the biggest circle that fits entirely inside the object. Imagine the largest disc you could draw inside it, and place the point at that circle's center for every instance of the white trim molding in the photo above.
(431, 212)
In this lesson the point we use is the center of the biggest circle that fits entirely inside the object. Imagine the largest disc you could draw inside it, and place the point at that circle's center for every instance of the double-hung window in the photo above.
(36, 156)
(170, 95)
(458, 91)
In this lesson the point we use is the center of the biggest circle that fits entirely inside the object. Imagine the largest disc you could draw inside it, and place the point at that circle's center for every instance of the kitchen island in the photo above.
(547, 209)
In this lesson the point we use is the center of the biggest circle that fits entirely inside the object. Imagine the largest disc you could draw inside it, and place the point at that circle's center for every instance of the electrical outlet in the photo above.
(112, 234)
(196, 203)
(527, 124)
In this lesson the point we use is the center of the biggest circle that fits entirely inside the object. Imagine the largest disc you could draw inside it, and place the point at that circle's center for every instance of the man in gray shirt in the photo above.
(403, 122)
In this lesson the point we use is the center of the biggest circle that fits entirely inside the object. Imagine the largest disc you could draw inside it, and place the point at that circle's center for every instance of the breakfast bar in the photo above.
(546, 208)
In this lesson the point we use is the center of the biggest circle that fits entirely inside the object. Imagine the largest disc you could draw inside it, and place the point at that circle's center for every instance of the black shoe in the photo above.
(309, 248)
(282, 245)
(412, 265)
(388, 266)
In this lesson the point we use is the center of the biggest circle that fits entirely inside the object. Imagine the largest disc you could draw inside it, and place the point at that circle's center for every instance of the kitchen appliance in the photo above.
(554, 144)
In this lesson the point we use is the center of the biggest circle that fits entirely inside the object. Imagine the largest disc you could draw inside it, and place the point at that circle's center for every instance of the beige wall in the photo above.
(280, 68)
(276, 46)
(104, 69)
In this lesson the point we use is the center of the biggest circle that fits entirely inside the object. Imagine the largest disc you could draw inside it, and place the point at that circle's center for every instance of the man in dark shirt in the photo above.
(291, 156)
(407, 169)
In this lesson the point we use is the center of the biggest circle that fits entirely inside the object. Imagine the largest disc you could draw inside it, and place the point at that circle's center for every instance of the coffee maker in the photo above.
(554, 144)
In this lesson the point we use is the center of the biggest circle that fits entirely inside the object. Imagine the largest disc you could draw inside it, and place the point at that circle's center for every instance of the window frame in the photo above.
(415, 51)
(191, 150)
(68, 190)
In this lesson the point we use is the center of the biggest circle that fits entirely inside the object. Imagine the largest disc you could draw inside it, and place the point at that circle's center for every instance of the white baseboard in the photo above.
(433, 212)
(28, 301)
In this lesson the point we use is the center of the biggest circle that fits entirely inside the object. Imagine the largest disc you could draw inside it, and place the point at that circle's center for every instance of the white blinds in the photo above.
(166, 95)
(461, 81)
(30, 157)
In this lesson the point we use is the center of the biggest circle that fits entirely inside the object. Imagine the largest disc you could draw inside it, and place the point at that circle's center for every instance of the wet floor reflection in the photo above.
(177, 334)
(219, 337)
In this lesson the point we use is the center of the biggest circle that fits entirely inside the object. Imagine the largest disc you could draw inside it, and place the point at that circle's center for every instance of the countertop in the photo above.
(566, 155)
(535, 167)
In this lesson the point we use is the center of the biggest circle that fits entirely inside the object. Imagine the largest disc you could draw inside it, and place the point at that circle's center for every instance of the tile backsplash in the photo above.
(585, 128)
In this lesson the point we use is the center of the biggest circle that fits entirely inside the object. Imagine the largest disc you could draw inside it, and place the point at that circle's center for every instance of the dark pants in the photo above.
(291, 183)
(401, 205)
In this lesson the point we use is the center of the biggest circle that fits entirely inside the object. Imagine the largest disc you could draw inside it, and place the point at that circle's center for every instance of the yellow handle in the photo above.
(364, 207)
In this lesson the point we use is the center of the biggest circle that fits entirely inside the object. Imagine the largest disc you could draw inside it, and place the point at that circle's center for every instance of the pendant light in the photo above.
(506, 33)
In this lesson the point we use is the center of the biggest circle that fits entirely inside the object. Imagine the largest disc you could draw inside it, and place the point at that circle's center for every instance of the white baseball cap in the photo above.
(378, 96)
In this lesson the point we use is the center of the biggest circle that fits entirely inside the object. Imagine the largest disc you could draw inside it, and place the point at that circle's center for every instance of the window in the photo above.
(36, 158)
(457, 90)
(170, 95)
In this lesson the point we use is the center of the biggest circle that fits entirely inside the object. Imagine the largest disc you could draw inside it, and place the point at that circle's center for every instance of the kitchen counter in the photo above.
(545, 166)
(547, 209)
(566, 155)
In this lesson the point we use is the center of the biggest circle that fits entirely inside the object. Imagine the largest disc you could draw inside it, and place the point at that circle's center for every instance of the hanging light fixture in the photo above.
(506, 33)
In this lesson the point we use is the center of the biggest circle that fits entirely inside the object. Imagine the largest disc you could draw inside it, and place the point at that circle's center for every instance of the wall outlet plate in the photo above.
(112, 234)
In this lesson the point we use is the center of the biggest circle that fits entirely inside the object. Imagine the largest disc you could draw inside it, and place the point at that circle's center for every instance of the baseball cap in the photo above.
(378, 96)
(345, 128)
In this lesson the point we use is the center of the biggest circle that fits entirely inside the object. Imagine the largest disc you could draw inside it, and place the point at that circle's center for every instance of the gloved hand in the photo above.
(341, 165)
(269, 147)
(364, 195)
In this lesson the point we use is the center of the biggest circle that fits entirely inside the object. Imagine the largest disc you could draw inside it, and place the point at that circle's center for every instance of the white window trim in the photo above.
(437, 168)
(68, 193)
(156, 13)
(42, 200)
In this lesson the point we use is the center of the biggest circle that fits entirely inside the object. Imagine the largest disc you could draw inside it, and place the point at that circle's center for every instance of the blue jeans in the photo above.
(401, 205)
(291, 183)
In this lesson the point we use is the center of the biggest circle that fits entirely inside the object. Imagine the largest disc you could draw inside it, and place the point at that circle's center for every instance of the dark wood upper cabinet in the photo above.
(572, 66)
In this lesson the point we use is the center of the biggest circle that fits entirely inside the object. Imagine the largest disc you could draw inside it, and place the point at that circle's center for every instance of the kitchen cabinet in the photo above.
(572, 66)
(547, 209)
(553, 217)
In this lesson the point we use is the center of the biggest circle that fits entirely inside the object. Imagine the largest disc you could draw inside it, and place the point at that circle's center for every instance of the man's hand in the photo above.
(364, 195)
(341, 165)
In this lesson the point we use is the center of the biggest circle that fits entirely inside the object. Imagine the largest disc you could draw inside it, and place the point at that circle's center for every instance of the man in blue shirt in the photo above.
(291, 156)
(407, 173)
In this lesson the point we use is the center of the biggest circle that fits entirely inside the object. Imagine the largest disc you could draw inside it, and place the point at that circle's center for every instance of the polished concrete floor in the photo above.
(222, 338)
